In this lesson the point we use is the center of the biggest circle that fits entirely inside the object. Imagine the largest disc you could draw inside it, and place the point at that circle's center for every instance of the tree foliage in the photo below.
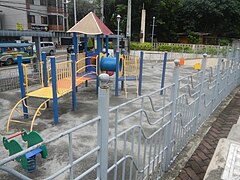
(220, 18)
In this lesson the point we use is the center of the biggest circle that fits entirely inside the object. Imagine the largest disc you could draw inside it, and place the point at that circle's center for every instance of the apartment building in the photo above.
(34, 15)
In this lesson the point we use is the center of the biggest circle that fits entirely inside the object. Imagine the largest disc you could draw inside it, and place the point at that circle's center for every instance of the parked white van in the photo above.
(48, 47)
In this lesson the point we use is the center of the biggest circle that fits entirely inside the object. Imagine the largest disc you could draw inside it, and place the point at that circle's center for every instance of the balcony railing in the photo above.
(52, 9)
(56, 27)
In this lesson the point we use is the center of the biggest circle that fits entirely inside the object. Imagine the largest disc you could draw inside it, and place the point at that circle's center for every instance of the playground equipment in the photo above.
(59, 79)
(197, 66)
(27, 160)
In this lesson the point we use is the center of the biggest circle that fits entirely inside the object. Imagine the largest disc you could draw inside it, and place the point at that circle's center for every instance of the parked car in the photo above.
(70, 48)
(48, 47)
(9, 52)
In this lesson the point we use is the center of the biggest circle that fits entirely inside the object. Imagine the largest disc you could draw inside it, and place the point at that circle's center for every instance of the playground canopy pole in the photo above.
(85, 42)
(164, 71)
(22, 87)
(75, 42)
(107, 44)
(98, 60)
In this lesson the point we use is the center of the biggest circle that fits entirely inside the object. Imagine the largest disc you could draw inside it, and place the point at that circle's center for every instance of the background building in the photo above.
(34, 15)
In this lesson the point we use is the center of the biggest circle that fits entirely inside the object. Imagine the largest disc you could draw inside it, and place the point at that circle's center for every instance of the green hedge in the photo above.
(143, 46)
(175, 48)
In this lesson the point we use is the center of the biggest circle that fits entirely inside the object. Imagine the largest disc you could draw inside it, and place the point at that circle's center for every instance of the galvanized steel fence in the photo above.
(141, 138)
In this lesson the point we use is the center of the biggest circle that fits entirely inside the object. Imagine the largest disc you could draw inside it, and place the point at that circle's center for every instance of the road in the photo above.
(60, 56)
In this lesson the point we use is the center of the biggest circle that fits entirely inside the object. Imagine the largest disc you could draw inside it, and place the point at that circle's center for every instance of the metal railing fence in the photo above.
(139, 139)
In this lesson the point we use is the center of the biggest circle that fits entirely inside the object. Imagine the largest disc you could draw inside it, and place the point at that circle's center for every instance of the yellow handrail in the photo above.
(38, 113)
(10, 116)
(85, 67)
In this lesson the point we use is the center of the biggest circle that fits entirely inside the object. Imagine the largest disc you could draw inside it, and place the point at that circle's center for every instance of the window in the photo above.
(31, 19)
(44, 20)
(60, 4)
(60, 20)
(52, 20)
(30, 1)
(52, 3)
(43, 2)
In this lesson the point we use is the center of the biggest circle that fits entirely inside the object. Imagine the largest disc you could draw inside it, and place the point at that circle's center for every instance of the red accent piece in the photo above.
(110, 73)
(15, 135)
(102, 26)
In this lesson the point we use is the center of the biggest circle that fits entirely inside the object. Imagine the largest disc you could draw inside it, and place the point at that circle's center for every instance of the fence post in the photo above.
(22, 87)
(215, 95)
(170, 128)
(103, 126)
(202, 77)
(237, 67)
(54, 89)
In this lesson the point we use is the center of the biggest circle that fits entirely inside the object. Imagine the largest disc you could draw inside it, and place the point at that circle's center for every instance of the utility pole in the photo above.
(153, 29)
(75, 12)
(102, 10)
(118, 22)
(128, 30)
(143, 22)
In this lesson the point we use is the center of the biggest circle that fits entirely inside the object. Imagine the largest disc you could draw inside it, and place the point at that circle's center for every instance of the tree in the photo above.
(220, 18)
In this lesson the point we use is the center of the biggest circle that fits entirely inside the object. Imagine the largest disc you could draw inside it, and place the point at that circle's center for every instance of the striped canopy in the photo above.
(90, 25)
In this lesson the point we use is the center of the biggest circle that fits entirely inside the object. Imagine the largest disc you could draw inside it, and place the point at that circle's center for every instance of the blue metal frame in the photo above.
(107, 41)
(22, 87)
(116, 77)
(45, 76)
(140, 74)
(74, 90)
(54, 89)
(85, 42)
(98, 60)
(164, 71)
(75, 43)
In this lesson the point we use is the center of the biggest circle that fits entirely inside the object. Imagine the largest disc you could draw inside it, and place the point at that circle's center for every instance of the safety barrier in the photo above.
(139, 139)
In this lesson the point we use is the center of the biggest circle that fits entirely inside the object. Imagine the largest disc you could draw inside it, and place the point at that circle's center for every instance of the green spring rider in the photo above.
(27, 160)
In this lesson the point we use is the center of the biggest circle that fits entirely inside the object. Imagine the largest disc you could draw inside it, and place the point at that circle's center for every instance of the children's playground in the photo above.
(67, 96)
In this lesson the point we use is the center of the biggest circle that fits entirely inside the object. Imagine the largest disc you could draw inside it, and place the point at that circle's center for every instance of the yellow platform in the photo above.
(64, 87)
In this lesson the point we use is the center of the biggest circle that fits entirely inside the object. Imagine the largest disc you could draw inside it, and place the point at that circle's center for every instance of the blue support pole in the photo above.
(75, 43)
(54, 89)
(122, 84)
(107, 41)
(98, 60)
(45, 76)
(74, 90)
(22, 87)
(85, 50)
(85, 42)
(163, 71)
(117, 69)
(140, 74)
